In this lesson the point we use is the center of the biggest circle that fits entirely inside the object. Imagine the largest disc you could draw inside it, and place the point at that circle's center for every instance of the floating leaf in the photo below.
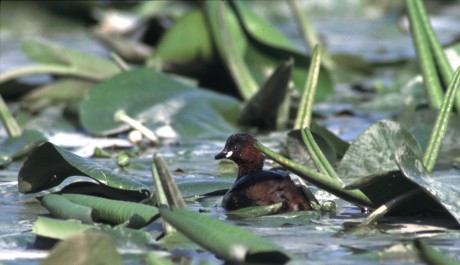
(65, 90)
(447, 197)
(15, 147)
(60, 207)
(255, 211)
(204, 187)
(192, 29)
(51, 54)
(372, 152)
(264, 108)
(85, 248)
(163, 103)
(229, 242)
(49, 165)
(60, 229)
(91, 209)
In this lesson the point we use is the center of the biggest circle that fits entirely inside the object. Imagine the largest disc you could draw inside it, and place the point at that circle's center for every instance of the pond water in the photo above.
(326, 240)
(329, 239)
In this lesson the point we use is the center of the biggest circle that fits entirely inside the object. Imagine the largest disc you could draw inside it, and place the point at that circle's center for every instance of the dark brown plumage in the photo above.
(255, 186)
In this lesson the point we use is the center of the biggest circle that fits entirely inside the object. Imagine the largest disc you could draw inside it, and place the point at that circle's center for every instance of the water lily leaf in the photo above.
(263, 109)
(191, 29)
(15, 147)
(60, 207)
(446, 196)
(204, 187)
(85, 248)
(64, 90)
(298, 152)
(229, 242)
(372, 152)
(164, 104)
(267, 47)
(60, 229)
(255, 211)
(299, 218)
(176, 240)
(82, 63)
(91, 209)
(49, 165)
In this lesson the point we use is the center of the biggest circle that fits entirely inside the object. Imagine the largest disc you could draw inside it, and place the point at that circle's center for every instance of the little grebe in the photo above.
(255, 186)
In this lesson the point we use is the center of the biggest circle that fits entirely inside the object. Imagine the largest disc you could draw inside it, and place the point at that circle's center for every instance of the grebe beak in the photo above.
(223, 154)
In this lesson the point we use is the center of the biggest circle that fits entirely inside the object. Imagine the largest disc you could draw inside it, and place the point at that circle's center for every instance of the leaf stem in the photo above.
(44, 69)
(8, 120)
(120, 62)
(121, 116)
(384, 208)
(442, 122)
(440, 57)
(320, 180)
(425, 56)
(318, 157)
(305, 110)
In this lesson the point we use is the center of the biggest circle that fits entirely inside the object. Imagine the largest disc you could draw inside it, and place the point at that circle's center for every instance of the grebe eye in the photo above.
(234, 147)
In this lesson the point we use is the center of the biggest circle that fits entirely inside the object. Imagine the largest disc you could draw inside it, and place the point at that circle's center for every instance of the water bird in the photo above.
(255, 186)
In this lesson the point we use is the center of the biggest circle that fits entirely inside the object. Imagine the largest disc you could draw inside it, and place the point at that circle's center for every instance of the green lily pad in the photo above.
(16, 147)
(85, 248)
(446, 197)
(64, 90)
(255, 211)
(227, 169)
(204, 187)
(264, 108)
(229, 242)
(81, 63)
(267, 47)
(372, 152)
(49, 165)
(60, 229)
(163, 103)
(91, 209)
(192, 29)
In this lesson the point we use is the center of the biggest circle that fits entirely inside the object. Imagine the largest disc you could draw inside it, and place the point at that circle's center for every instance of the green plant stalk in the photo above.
(440, 57)
(321, 180)
(442, 121)
(305, 110)
(238, 68)
(422, 46)
(8, 120)
(318, 157)
(44, 69)
(309, 36)
(383, 209)
(431, 255)
(161, 196)
(170, 188)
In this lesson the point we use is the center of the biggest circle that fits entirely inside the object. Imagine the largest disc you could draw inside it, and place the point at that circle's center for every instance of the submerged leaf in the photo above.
(226, 241)
(49, 165)
(168, 107)
(85, 248)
